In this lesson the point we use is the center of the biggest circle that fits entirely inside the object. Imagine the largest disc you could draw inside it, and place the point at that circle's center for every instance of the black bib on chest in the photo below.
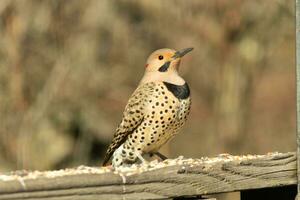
(179, 91)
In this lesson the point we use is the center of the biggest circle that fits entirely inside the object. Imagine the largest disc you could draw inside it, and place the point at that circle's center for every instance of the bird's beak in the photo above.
(181, 53)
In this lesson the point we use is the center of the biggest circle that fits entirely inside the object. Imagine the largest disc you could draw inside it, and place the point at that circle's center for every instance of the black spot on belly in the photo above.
(179, 91)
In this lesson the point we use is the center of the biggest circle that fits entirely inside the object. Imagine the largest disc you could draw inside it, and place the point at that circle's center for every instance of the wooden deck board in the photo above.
(166, 180)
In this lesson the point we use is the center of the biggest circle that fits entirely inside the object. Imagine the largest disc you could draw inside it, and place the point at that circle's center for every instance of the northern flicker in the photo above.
(155, 112)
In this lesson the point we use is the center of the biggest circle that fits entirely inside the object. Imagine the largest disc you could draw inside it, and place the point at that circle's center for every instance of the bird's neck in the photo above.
(170, 77)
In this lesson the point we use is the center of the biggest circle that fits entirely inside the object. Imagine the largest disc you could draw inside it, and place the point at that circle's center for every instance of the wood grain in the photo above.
(166, 182)
(298, 88)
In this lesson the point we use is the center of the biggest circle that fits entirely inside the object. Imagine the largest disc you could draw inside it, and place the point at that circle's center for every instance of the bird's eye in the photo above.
(160, 57)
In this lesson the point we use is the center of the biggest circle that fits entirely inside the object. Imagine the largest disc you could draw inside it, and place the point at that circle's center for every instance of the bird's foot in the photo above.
(161, 156)
(140, 157)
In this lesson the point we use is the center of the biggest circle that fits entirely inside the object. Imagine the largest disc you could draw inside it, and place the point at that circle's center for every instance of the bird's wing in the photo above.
(132, 117)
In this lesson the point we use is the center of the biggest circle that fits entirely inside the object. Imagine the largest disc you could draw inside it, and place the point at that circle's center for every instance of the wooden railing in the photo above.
(298, 91)
(270, 176)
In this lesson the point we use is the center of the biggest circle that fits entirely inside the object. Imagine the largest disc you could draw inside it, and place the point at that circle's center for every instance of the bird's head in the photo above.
(165, 60)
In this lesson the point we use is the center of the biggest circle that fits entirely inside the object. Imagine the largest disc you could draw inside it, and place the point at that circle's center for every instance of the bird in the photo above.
(155, 112)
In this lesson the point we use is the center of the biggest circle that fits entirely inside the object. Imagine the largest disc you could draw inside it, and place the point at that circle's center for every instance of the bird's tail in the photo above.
(107, 157)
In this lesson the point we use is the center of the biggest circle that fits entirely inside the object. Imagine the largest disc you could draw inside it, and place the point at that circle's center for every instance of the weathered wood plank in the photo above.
(165, 180)
(298, 89)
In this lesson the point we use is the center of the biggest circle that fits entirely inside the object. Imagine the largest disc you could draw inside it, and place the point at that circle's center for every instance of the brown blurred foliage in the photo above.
(67, 68)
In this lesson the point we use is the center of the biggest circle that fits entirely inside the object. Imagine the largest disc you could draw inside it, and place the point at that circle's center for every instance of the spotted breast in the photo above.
(165, 112)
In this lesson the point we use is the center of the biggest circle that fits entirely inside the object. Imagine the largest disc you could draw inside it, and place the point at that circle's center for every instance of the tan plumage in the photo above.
(132, 117)
(155, 111)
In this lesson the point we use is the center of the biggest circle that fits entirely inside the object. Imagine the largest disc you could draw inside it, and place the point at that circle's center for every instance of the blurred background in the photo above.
(68, 67)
